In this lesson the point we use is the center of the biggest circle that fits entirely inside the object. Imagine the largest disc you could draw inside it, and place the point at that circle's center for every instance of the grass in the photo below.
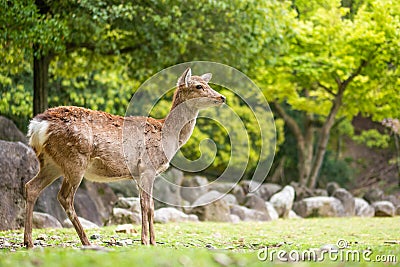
(210, 244)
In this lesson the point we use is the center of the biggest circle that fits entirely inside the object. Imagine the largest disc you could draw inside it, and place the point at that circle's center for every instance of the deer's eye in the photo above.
(199, 86)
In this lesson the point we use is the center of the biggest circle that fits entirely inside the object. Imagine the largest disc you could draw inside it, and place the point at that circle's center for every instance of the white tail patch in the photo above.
(37, 134)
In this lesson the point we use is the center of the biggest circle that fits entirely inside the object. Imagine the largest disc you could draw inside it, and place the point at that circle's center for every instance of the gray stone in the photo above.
(347, 200)
(363, 208)
(265, 191)
(86, 224)
(246, 214)
(384, 208)
(230, 199)
(392, 198)
(124, 216)
(374, 195)
(10, 132)
(165, 215)
(43, 220)
(125, 188)
(211, 207)
(272, 211)
(398, 211)
(18, 165)
(167, 187)
(129, 203)
(193, 188)
(93, 201)
(283, 201)
(319, 192)
(319, 207)
(232, 188)
(255, 202)
(331, 187)
(234, 218)
(293, 215)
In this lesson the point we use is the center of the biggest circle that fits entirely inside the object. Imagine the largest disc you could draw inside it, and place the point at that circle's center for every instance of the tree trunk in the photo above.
(40, 82)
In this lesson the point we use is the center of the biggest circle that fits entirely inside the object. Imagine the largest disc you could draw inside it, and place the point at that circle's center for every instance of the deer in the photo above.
(76, 143)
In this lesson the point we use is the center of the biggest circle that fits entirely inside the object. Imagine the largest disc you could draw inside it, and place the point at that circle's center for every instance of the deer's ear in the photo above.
(185, 77)
(206, 77)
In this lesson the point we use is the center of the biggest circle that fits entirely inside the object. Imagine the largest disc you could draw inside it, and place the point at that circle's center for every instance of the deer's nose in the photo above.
(223, 98)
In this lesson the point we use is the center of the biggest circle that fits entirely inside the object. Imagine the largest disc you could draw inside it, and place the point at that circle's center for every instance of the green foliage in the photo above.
(372, 138)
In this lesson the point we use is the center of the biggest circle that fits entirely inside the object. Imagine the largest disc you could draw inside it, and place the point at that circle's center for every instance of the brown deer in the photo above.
(75, 142)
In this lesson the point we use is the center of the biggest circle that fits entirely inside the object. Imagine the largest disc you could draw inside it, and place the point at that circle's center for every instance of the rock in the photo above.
(246, 214)
(165, 215)
(234, 218)
(331, 187)
(230, 199)
(193, 188)
(125, 188)
(129, 203)
(95, 236)
(283, 201)
(293, 215)
(255, 202)
(392, 198)
(43, 220)
(232, 188)
(319, 207)
(124, 216)
(265, 191)
(374, 195)
(210, 207)
(125, 229)
(18, 165)
(167, 187)
(10, 132)
(398, 211)
(319, 192)
(384, 208)
(93, 201)
(271, 211)
(362, 208)
(86, 224)
(347, 200)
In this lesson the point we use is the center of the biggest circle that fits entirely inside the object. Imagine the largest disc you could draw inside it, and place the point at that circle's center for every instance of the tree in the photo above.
(339, 64)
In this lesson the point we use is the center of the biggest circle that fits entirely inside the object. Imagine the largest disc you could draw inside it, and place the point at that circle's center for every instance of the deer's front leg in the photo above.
(147, 206)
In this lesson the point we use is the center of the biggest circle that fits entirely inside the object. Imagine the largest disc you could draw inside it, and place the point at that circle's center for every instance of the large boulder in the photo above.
(246, 214)
(10, 132)
(255, 202)
(331, 187)
(93, 201)
(129, 203)
(169, 214)
(363, 208)
(347, 200)
(232, 188)
(265, 191)
(374, 195)
(43, 220)
(86, 224)
(166, 190)
(319, 207)
(18, 165)
(271, 211)
(124, 216)
(211, 207)
(125, 188)
(384, 208)
(283, 201)
(194, 187)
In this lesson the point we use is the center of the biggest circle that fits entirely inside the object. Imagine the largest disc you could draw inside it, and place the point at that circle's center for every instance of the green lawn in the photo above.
(214, 244)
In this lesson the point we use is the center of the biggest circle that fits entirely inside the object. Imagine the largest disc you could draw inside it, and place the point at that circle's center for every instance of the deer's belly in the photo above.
(104, 172)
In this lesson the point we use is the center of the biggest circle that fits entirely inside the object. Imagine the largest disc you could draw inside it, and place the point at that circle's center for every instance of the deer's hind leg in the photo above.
(66, 197)
(47, 174)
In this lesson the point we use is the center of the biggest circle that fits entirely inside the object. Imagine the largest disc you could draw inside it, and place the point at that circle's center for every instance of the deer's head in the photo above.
(196, 90)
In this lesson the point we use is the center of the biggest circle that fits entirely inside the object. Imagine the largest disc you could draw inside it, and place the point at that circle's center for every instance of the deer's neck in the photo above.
(178, 127)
